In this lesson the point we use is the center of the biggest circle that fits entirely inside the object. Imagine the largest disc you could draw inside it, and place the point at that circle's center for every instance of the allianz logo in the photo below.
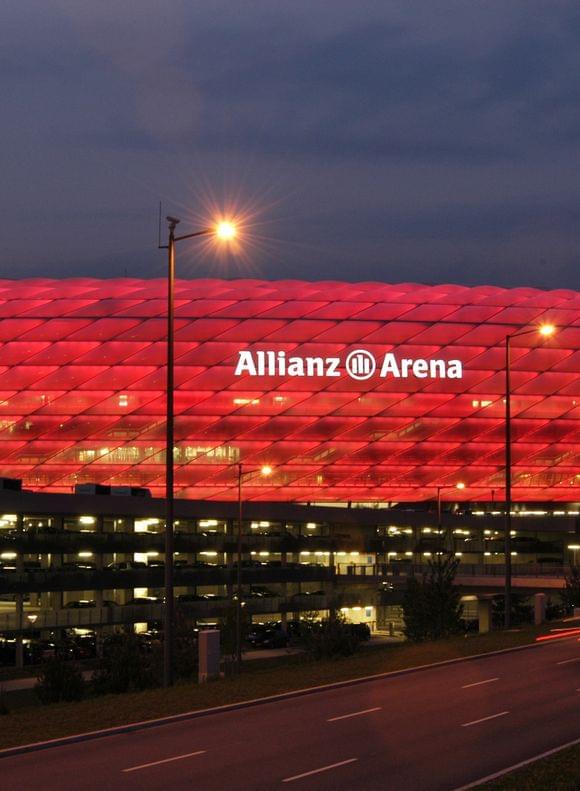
(359, 364)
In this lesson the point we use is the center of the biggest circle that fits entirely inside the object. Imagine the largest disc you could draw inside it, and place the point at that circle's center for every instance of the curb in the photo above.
(190, 715)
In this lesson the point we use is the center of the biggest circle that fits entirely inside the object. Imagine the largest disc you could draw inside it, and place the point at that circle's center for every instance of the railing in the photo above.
(464, 570)
(83, 617)
(104, 579)
(87, 617)
(361, 570)
(518, 570)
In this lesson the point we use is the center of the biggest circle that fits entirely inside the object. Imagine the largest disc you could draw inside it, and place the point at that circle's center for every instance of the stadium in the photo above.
(380, 411)
(266, 373)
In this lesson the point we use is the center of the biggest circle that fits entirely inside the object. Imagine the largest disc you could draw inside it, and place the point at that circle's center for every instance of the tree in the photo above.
(431, 605)
(185, 650)
(571, 592)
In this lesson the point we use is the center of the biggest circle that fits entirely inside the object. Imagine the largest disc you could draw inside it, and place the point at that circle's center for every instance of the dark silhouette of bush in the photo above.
(571, 592)
(331, 638)
(522, 611)
(431, 605)
(126, 666)
(59, 680)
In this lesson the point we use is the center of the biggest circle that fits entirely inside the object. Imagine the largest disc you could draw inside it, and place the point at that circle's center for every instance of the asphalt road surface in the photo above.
(433, 730)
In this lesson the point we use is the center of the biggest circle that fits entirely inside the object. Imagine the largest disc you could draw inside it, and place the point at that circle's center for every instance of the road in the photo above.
(432, 730)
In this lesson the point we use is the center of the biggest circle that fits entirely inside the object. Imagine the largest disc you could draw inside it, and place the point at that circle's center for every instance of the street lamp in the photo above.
(459, 485)
(265, 470)
(545, 331)
(223, 231)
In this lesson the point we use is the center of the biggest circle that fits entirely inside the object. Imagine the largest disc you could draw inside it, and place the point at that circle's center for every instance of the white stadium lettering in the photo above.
(359, 364)
(332, 364)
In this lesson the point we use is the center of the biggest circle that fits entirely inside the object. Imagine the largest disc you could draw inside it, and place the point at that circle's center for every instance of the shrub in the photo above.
(554, 610)
(431, 605)
(331, 638)
(59, 680)
(126, 667)
(185, 647)
(571, 593)
(3, 702)
(522, 611)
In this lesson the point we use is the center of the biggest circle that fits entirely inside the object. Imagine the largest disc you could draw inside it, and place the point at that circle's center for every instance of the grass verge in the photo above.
(559, 772)
(259, 679)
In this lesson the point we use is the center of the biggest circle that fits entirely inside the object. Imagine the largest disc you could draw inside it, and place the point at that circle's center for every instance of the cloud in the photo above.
(439, 138)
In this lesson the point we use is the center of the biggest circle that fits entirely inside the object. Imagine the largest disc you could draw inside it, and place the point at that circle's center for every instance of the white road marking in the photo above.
(354, 714)
(484, 719)
(567, 661)
(513, 768)
(477, 683)
(316, 771)
(163, 761)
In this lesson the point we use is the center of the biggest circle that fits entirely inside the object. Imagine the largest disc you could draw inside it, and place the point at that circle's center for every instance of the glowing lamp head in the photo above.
(460, 485)
(546, 330)
(225, 231)
(266, 470)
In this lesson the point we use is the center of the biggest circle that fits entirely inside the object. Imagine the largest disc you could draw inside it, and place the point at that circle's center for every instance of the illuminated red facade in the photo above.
(82, 379)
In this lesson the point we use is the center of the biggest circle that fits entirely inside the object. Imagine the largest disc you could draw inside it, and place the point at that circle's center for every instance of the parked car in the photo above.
(308, 593)
(145, 600)
(361, 630)
(261, 592)
(78, 565)
(80, 604)
(150, 639)
(127, 565)
(191, 597)
(267, 635)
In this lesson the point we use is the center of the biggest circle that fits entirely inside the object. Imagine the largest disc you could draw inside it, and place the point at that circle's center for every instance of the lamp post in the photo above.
(265, 470)
(545, 330)
(224, 231)
(459, 485)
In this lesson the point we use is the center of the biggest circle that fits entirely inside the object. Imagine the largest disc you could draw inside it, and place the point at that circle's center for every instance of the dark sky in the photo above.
(393, 141)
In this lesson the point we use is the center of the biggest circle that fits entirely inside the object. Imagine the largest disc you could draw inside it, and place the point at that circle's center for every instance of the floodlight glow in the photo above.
(546, 330)
(225, 231)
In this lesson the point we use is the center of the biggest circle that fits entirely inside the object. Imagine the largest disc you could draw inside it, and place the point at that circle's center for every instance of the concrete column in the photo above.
(99, 639)
(539, 608)
(331, 588)
(19, 602)
(57, 597)
(230, 532)
(98, 561)
(284, 596)
(19, 659)
(484, 615)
